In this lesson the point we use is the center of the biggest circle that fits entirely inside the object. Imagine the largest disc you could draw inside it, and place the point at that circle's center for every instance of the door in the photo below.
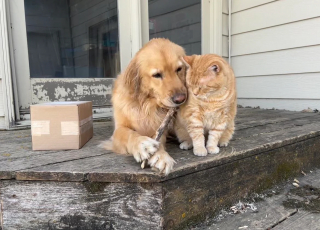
(65, 50)
(70, 50)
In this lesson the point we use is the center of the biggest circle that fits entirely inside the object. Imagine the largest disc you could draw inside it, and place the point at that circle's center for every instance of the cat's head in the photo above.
(208, 74)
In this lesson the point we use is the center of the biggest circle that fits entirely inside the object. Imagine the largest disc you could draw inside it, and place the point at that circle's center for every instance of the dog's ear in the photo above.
(131, 76)
(189, 59)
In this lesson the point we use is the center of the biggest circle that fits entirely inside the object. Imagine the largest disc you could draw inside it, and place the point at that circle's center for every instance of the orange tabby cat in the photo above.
(211, 106)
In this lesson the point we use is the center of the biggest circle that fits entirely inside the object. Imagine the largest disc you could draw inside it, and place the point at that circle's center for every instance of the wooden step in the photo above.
(96, 189)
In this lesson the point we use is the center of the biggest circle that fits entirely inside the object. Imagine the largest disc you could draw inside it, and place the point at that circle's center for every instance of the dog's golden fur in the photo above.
(211, 105)
(141, 98)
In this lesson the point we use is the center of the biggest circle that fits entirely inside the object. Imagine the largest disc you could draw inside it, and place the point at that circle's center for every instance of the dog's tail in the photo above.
(106, 144)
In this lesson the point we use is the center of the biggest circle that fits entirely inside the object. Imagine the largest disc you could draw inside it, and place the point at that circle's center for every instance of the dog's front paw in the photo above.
(213, 149)
(200, 151)
(186, 145)
(145, 148)
(162, 161)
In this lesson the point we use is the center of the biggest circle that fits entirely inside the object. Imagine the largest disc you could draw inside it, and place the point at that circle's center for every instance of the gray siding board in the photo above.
(158, 7)
(182, 36)
(88, 14)
(185, 16)
(82, 6)
(82, 28)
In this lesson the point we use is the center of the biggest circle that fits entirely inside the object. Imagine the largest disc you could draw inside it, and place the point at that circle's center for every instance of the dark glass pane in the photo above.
(178, 20)
(72, 38)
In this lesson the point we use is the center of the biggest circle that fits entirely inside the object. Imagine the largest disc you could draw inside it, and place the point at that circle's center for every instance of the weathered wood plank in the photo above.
(270, 212)
(192, 197)
(301, 220)
(247, 142)
(92, 206)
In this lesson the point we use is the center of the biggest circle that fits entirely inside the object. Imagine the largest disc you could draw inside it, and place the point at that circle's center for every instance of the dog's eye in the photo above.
(157, 75)
(179, 69)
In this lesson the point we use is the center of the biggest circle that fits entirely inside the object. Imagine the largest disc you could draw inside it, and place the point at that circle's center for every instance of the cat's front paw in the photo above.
(200, 151)
(186, 145)
(223, 144)
(213, 149)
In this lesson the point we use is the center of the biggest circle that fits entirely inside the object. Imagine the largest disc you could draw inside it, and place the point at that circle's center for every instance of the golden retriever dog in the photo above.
(211, 106)
(153, 82)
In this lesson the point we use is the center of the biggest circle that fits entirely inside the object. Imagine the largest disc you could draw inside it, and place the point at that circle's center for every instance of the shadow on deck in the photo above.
(94, 189)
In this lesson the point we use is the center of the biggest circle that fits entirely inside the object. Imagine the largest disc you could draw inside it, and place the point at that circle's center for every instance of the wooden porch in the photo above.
(94, 189)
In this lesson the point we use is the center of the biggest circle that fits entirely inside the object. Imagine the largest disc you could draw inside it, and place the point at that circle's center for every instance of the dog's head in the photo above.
(208, 75)
(158, 71)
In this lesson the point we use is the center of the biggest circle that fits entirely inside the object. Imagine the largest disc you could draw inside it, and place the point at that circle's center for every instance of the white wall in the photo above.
(275, 53)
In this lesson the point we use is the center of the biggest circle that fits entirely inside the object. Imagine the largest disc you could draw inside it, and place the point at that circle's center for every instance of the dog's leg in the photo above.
(161, 159)
(128, 141)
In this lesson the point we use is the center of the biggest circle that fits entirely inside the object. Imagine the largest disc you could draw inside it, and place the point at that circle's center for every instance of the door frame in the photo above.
(5, 70)
(133, 25)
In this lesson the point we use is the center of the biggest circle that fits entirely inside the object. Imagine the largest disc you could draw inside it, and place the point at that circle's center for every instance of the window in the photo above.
(72, 38)
(179, 21)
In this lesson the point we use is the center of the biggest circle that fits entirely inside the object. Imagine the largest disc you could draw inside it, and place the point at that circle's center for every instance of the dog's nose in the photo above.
(179, 98)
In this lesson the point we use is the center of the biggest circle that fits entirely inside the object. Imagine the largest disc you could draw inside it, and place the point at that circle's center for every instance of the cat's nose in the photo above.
(179, 98)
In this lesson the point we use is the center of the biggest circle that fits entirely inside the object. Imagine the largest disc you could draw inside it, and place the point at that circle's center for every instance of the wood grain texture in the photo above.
(256, 131)
(273, 14)
(293, 86)
(301, 220)
(190, 199)
(270, 213)
(285, 36)
(94, 206)
(103, 190)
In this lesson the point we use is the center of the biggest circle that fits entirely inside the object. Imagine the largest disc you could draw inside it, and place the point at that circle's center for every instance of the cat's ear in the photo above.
(215, 68)
(189, 59)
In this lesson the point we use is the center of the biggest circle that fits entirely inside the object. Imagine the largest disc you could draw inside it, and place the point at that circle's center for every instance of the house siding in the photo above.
(275, 53)
(225, 29)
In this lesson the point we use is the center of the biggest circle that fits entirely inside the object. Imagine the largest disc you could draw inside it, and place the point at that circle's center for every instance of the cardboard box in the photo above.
(61, 125)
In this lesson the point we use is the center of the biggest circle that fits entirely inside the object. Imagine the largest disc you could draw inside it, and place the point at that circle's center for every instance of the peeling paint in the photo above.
(96, 90)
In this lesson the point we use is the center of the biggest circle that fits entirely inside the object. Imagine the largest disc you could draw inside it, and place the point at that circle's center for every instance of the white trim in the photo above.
(211, 26)
(145, 21)
(229, 29)
(133, 28)
(13, 65)
(20, 52)
(5, 69)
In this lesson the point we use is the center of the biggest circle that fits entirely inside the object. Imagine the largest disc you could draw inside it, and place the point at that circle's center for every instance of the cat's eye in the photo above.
(157, 75)
(179, 69)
